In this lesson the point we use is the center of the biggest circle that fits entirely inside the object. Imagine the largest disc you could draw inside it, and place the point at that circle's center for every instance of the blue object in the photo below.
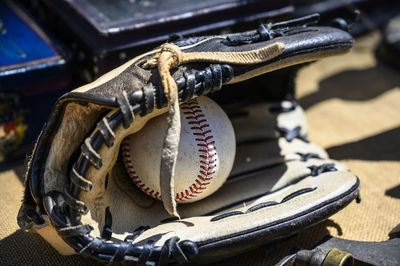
(20, 44)
(33, 74)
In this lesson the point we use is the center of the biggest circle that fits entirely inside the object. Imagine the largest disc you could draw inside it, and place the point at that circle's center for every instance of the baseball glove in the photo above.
(80, 199)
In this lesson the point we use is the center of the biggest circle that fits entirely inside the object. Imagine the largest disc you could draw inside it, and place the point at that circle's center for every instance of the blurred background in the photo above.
(352, 103)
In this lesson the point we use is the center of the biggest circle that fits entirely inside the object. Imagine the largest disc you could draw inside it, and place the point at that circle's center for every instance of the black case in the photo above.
(107, 33)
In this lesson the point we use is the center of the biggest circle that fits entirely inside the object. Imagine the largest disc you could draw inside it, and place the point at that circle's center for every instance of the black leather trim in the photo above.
(219, 248)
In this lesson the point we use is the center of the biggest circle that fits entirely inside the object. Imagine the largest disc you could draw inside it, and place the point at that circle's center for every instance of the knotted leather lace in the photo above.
(171, 56)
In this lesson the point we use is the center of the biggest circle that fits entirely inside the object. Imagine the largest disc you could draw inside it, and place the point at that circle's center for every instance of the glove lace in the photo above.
(270, 31)
(170, 56)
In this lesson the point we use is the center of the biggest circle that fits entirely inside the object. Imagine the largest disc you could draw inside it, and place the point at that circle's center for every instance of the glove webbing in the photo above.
(170, 56)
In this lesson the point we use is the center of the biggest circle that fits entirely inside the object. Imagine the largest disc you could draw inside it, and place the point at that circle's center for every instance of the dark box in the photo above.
(33, 74)
(107, 33)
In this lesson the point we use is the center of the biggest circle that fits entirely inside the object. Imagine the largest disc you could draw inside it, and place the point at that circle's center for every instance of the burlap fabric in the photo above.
(352, 106)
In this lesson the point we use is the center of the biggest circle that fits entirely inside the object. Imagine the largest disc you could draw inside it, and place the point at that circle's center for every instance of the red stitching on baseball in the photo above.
(195, 116)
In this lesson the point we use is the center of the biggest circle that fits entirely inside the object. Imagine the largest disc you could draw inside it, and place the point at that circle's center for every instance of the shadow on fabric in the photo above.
(394, 192)
(384, 146)
(25, 248)
(354, 85)
(19, 167)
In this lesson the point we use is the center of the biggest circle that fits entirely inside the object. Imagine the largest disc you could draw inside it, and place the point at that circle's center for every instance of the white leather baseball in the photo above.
(205, 157)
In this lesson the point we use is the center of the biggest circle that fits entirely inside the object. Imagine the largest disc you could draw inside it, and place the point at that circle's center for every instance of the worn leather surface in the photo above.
(370, 151)
(299, 192)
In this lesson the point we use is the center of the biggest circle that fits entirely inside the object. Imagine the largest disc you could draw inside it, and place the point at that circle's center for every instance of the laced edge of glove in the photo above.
(171, 56)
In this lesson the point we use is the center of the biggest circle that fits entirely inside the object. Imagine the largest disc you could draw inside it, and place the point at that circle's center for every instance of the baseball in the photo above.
(205, 157)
